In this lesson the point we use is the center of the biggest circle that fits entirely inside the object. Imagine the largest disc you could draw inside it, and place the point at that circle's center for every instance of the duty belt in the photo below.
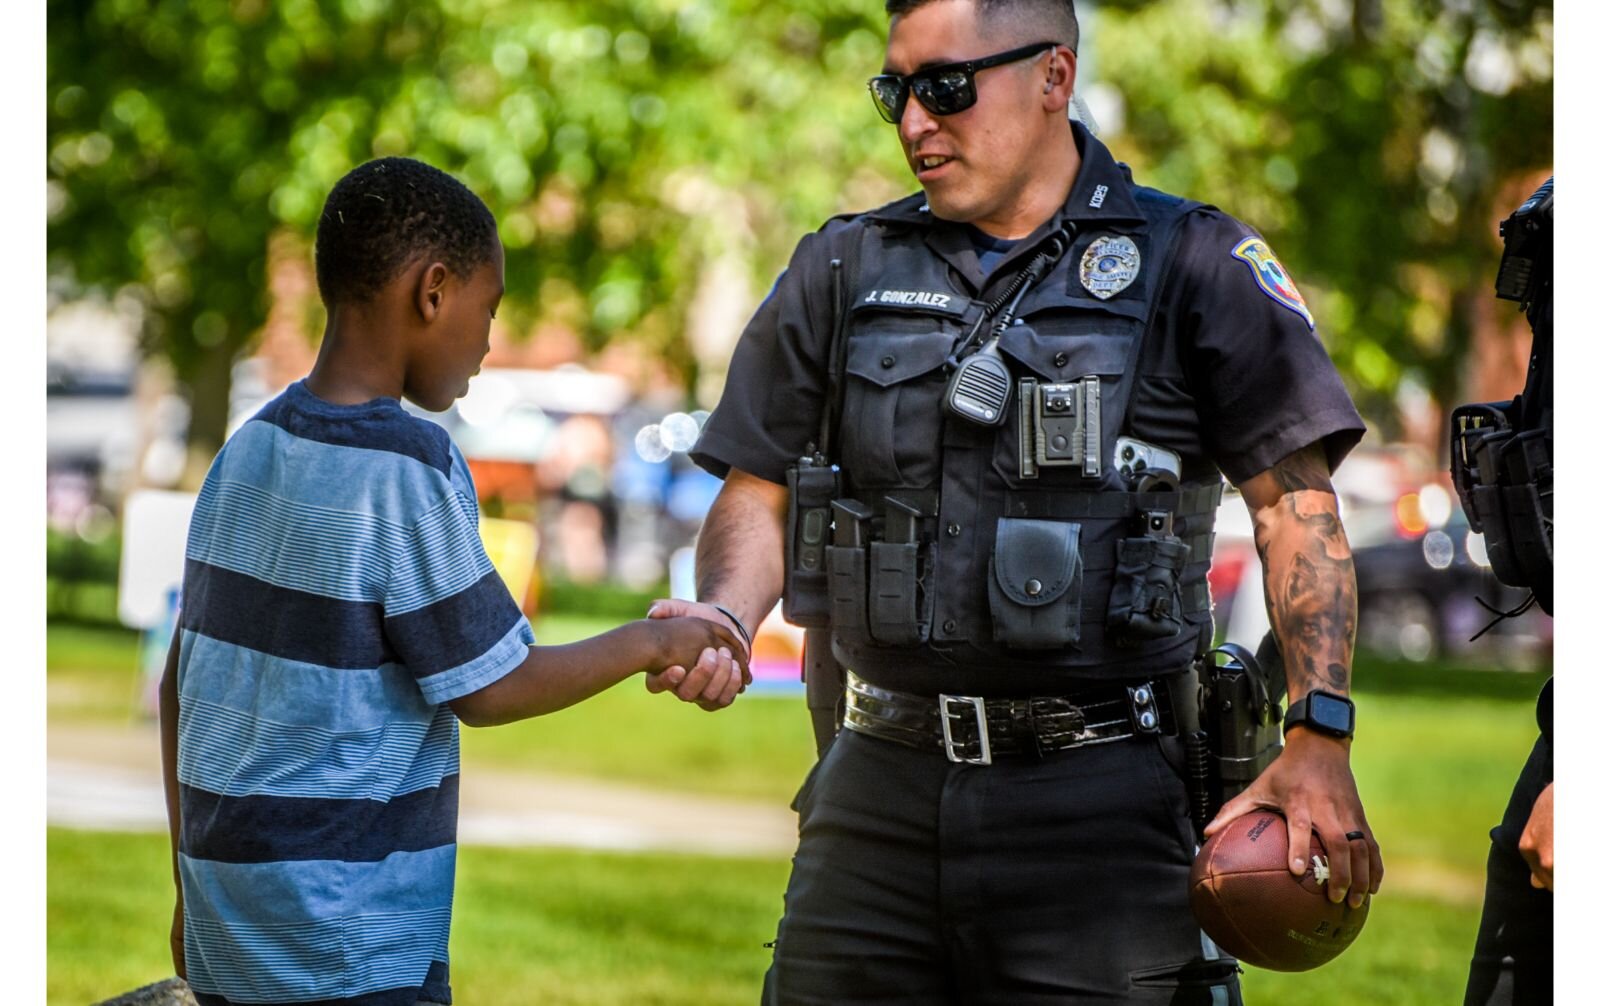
(973, 730)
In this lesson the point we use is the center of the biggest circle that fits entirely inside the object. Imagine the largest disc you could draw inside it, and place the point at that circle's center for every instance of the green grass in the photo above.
(1435, 754)
(1414, 951)
(1435, 774)
(92, 672)
(592, 929)
(759, 748)
(531, 926)
(1434, 766)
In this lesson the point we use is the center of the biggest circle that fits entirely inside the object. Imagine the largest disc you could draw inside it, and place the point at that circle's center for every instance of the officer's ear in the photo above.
(1061, 76)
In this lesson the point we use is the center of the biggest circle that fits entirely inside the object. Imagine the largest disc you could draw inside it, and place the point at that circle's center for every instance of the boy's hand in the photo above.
(175, 938)
(721, 668)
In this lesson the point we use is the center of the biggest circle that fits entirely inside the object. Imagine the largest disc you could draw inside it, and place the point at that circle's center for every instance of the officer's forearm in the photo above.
(1307, 571)
(1310, 583)
(739, 557)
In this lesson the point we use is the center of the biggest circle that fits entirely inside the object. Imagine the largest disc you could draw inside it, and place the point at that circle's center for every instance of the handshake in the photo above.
(712, 651)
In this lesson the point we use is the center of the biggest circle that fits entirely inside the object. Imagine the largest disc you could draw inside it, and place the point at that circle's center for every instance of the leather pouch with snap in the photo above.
(1145, 601)
(1036, 583)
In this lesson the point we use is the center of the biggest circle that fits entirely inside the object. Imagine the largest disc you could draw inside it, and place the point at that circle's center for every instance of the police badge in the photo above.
(1109, 265)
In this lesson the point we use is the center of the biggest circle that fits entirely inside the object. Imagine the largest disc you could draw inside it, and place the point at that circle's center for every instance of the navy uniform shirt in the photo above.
(1234, 376)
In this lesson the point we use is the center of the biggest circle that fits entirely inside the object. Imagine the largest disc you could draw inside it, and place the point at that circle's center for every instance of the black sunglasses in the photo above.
(944, 89)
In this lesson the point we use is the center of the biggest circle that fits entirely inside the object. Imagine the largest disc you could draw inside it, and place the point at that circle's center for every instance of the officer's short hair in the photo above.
(388, 213)
(1052, 20)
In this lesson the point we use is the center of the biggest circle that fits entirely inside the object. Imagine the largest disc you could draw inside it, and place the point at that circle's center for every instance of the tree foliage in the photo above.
(1370, 140)
(627, 145)
(621, 144)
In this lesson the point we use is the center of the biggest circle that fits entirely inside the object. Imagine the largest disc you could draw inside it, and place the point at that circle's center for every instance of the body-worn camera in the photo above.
(1059, 426)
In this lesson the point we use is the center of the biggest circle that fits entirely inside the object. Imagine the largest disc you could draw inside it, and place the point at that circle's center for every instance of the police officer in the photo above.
(1501, 462)
(1037, 373)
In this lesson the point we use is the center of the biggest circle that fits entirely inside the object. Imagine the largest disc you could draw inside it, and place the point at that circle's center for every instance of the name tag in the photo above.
(936, 301)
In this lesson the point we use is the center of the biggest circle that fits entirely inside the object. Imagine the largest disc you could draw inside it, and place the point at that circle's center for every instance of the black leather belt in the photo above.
(975, 730)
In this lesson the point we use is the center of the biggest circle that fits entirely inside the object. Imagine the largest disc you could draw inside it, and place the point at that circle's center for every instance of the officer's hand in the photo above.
(1311, 785)
(1538, 843)
(715, 680)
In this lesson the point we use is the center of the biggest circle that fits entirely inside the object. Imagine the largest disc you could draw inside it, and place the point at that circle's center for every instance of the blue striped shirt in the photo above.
(336, 595)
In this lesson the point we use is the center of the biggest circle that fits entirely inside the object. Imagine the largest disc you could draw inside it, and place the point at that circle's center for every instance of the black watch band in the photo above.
(1323, 712)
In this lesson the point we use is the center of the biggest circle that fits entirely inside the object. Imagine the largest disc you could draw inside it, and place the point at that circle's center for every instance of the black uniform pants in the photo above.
(1061, 880)
(1514, 961)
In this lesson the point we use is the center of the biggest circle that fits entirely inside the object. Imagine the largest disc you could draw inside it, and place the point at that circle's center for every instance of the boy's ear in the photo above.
(430, 290)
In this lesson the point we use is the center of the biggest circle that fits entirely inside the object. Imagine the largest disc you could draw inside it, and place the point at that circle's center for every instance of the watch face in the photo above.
(1330, 712)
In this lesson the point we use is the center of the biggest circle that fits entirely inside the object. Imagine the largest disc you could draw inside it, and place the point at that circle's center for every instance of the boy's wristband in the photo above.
(749, 646)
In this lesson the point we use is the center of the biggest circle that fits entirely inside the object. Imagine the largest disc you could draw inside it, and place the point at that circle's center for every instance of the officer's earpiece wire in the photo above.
(1080, 106)
(1520, 609)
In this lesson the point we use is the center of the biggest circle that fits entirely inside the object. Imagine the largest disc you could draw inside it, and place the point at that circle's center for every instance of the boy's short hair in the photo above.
(386, 214)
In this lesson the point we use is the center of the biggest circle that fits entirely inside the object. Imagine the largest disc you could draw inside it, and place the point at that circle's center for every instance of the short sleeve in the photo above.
(772, 403)
(1262, 379)
(449, 617)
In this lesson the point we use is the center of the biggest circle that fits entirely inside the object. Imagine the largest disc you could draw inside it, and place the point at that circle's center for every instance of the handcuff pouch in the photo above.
(1036, 583)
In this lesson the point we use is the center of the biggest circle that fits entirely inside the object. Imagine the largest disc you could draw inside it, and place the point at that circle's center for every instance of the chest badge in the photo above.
(1110, 264)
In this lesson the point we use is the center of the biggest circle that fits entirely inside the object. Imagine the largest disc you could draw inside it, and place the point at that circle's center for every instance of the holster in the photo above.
(1239, 717)
(824, 680)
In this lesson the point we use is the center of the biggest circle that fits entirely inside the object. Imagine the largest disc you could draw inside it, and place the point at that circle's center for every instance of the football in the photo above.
(1246, 899)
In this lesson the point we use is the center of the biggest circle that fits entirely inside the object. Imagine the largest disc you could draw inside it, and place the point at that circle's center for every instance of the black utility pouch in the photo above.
(1145, 601)
(1036, 583)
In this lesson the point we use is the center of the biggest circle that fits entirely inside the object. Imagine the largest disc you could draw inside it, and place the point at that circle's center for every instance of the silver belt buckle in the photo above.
(976, 701)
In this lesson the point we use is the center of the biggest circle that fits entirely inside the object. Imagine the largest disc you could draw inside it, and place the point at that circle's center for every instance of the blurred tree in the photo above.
(171, 130)
(1370, 140)
(625, 146)
(650, 160)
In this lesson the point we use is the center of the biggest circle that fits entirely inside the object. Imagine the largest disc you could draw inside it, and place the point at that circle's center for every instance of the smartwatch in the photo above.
(1323, 712)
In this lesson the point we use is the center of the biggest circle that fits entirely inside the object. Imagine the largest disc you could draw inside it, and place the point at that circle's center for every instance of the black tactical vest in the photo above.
(964, 559)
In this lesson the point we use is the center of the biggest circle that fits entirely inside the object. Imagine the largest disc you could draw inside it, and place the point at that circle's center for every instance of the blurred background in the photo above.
(652, 164)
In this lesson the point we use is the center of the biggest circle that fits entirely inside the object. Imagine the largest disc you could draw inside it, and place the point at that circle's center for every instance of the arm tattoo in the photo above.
(1310, 579)
(1305, 469)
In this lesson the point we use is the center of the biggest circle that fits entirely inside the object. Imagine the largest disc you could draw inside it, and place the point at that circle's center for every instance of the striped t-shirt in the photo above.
(336, 595)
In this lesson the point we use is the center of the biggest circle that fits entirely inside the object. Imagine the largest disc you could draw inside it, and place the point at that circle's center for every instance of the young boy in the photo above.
(339, 615)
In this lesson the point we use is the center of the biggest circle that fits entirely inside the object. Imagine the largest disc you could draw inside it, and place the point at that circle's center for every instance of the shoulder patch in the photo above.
(1272, 277)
